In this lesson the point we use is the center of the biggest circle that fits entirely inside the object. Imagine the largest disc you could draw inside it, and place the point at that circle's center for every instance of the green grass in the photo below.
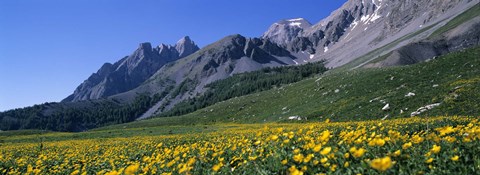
(24, 136)
(457, 76)
(458, 20)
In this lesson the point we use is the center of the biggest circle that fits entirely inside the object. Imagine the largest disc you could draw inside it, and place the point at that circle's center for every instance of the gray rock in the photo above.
(130, 71)
(284, 31)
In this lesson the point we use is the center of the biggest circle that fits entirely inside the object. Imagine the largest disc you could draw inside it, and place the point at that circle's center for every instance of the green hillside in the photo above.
(452, 80)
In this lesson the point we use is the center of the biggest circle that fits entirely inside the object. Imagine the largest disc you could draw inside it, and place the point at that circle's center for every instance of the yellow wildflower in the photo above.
(435, 149)
(326, 150)
(382, 164)
(132, 169)
(317, 148)
(407, 145)
(217, 167)
(397, 153)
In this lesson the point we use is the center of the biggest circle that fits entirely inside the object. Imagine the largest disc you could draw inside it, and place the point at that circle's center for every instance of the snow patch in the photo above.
(295, 24)
(295, 61)
(375, 16)
(365, 18)
(354, 24)
(311, 56)
(296, 19)
(325, 49)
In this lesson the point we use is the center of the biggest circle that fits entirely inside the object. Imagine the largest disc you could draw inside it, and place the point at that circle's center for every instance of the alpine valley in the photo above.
(370, 59)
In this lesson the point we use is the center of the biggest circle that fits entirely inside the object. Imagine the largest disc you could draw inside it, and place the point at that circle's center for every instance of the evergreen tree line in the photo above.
(246, 83)
(78, 116)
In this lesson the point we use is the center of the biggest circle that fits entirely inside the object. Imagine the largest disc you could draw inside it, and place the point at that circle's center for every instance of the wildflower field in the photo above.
(435, 145)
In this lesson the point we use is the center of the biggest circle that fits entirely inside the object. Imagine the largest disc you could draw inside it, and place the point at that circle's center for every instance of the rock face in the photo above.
(355, 29)
(131, 71)
(361, 26)
(463, 36)
(284, 31)
(231, 55)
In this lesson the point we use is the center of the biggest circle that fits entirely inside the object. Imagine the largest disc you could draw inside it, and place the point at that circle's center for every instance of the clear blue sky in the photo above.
(49, 47)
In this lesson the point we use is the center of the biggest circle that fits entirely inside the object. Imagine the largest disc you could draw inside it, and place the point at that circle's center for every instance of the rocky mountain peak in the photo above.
(129, 72)
(145, 46)
(186, 46)
(284, 31)
(297, 22)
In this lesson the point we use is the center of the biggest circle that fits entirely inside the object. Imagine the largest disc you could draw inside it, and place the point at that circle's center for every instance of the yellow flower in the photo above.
(284, 161)
(417, 139)
(217, 167)
(382, 164)
(257, 142)
(294, 171)
(324, 136)
(346, 164)
(430, 160)
(450, 139)
(397, 153)
(326, 150)
(191, 161)
(445, 130)
(323, 160)
(454, 158)
(112, 173)
(308, 158)
(132, 169)
(359, 153)
(183, 169)
(296, 151)
(274, 137)
(333, 167)
(317, 148)
(29, 169)
(346, 155)
(435, 149)
(75, 172)
(407, 145)
(298, 157)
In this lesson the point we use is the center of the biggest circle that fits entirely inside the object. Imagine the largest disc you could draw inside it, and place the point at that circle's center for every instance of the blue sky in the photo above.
(49, 47)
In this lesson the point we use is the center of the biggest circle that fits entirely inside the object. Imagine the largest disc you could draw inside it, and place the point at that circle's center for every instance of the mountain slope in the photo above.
(188, 76)
(152, 81)
(452, 81)
(359, 27)
(131, 71)
(461, 32)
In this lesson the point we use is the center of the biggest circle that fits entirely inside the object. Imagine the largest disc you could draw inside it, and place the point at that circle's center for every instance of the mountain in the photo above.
(446, 86)
(284, 31)
(154, 80)
(359, 27)
(131, 71)
(231, 55)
